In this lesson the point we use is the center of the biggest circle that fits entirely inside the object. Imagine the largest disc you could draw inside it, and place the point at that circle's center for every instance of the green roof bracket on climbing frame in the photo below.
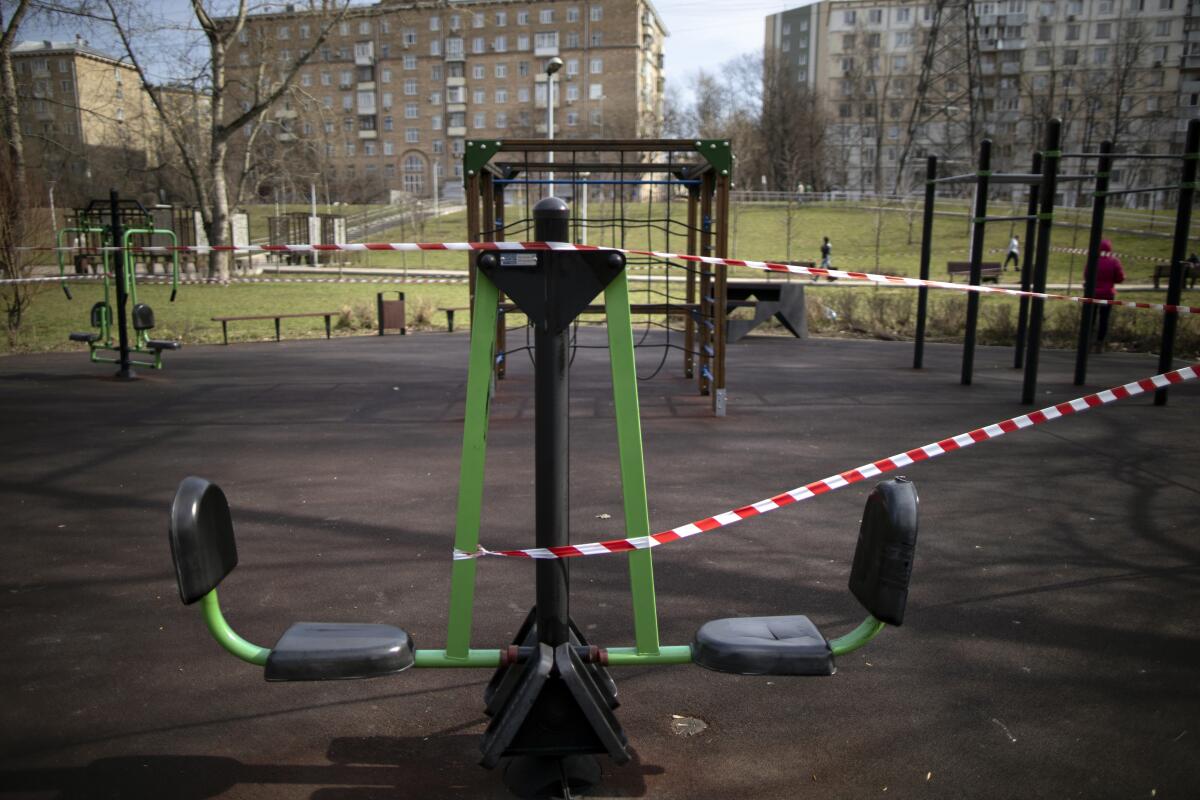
(717, 153)
(478, 153)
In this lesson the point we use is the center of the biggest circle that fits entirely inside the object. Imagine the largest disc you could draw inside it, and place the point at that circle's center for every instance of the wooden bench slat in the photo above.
(277, 317)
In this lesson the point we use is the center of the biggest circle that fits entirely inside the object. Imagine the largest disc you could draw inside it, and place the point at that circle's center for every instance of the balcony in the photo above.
(366, 86)
(546, 50)
(452, 108)
(1010, 68)
(456, 56)
(368, 134)
(456, 81)
(285, 113)
(286, 137)
(364, 54)
(457, 131)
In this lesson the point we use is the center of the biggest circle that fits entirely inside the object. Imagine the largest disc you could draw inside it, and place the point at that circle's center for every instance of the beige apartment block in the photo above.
(1128, 70)
(389, 98)
(85, 120)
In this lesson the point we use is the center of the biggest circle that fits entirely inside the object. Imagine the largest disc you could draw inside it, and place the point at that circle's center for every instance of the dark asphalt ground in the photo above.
(1051, 648)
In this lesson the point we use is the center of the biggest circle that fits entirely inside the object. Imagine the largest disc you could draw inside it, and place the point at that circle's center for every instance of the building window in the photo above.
(572, 39)
(410, 62)
(501, 19)
(597, 39)
(523, 41)
(875, 16)
(1100, 55)
(522, 17)
(368, 148)
(435, 122)
(545, 40)
(477, 45)
(595, 91)
(572, 67)
(389, 148)
(523, 68)
(546, 16)
(349, 149)
(435, 23)
(523, 94)
(596, 13)
(849, 17)
(1162, 27)
(410, 86)
(597, 66)
(435, 72)
(479, 120)
(572, 92)
(435, 98)
(477, 20)
(572, 118)
(502, 70)
(283, 33)
(478, 71)
(385, 75)
(412, 135)
(849, 41)
(479, 96)
(435, 47)
(411, 111)
(501, 96)
(388, 125)
(1104, 30)
(903, 15)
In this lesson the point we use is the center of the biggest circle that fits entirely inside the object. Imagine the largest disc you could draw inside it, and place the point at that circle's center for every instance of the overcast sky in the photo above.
(704, 33)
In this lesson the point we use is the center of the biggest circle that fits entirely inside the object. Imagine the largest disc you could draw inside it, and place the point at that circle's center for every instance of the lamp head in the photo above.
(554, 65)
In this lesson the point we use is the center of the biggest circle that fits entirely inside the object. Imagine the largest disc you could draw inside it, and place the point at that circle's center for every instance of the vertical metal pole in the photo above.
(470, 477)
(707, 325)
(689, 319)
(1183, 222)
(550, 451)
(125, 372)
(721, 296)
(1027, 267)
(633, 465)
(977, 232)
(1088, 312)
(1050, 158)
(926, 245)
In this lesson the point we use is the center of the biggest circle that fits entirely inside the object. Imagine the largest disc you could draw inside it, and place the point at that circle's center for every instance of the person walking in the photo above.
(1014, 253)
(826, 257)
(1108, 274)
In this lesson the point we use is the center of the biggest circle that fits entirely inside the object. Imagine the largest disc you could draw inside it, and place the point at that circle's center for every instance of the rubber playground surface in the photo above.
(1051, 647)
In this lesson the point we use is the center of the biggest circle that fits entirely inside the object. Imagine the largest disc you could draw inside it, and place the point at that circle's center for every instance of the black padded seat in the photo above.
(83, 337)
(162, 344)
(330, 651)
(789, 645)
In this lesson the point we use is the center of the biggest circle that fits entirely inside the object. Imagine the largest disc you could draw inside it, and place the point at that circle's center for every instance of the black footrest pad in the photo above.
(331, 651)
(162, 344)
(789, 645)
(83, 337)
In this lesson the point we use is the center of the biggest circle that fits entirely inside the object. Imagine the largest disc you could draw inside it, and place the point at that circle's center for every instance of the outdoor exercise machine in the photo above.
(111, 242)
(1042, 182)
(551, 698)
(518, 171)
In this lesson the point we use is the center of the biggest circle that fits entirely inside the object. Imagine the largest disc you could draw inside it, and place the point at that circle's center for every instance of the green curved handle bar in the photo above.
(225, 636)
(617, 656)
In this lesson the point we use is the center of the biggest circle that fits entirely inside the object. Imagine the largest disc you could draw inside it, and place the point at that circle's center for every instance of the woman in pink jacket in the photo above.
(1108, 274)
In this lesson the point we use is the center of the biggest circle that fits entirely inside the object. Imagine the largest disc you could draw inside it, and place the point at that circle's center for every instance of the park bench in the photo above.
(1190, 271)
(988, 270)
(226, 320)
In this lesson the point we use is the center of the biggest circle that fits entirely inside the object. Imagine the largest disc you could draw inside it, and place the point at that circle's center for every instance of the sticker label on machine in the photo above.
(518, 259)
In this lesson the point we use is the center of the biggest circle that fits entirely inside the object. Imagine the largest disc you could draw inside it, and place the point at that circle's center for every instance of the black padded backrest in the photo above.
(201, 534)
(100, 314)
(143, 317)
(884, 557)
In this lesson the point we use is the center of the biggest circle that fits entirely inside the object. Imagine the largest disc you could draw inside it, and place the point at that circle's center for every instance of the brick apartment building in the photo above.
(388, 100)
(85, 120)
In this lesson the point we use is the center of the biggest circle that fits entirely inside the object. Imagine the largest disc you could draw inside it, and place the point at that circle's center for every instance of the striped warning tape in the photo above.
(848, 477)
(767, 266)
(235, 279)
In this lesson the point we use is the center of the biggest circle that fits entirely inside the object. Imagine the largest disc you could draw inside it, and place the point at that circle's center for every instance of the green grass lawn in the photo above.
(863, 238)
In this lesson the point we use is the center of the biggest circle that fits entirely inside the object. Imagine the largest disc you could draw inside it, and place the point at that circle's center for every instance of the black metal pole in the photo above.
(125, 371)
(977, 232)
(926, 243)
(1027, 267)
(1050, 158)
(551, 224)
(1183, 222)
(1088, 312)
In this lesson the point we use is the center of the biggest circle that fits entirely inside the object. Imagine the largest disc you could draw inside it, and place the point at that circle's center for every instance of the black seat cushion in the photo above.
(330, 651)
(84, 337)
(162, 344)
(763, 646)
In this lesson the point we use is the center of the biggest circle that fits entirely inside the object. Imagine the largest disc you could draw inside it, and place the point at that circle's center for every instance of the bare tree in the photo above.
(10, 115)
(211, 89)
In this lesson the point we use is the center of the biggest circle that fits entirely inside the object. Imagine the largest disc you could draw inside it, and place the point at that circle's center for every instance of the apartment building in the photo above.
(1127, 70)
(389, 99)
(85, 120)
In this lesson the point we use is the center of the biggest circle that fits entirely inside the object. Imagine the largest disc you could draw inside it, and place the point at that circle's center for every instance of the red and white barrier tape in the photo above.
(848, 477)
(235, 279)
(766, 266)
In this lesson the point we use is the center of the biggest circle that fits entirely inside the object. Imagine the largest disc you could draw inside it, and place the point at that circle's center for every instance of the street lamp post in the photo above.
(552, 66)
